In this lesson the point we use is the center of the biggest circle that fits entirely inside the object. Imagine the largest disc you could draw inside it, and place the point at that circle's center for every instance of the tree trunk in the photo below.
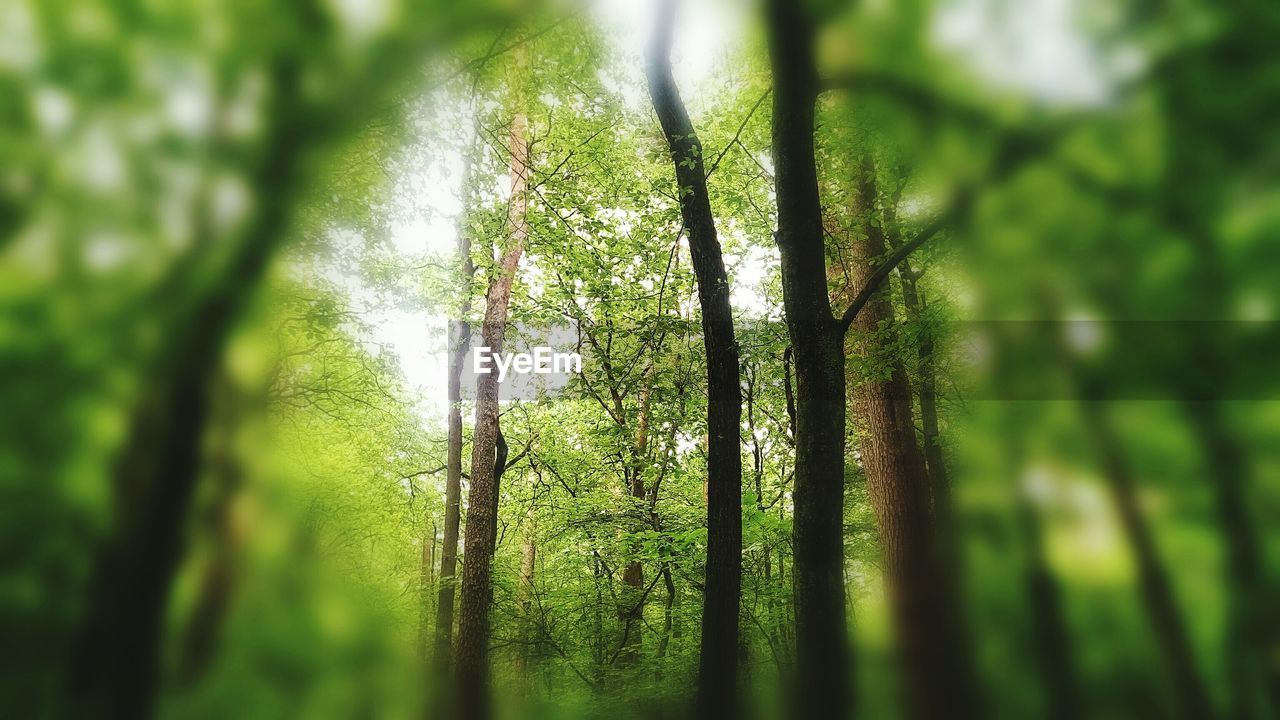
(1203, 151)
(1251, 631)
(524, 600)
(718, 661)
(1050, 630)
(477, 587)
(1157, 590)
(459, 340)
(631, 610)
(939, 480)
(1051, 636)
(116, 657)
(199, 643)
(823, 662)
(935, 673)
(427, 576)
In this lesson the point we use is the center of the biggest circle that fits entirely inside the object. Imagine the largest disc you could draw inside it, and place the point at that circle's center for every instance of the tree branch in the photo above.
(886, 268)
(738, 134)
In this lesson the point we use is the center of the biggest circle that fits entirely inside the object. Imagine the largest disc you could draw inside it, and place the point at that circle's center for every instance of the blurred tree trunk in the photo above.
(115, 661)
(199, 639)
(1050, 629)
(1157, 591)
(1210, 96)
(1252, 648)
(459, 340)
(718, 658)
(928, 628)
(482, 503)
(823, 672)
(1050, 632)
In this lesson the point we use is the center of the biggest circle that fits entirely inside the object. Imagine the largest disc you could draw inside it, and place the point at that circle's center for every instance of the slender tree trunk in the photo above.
(824, 673)
(459, 340)
(931, 440)
(668, 607)
(524, 600)
(477, 584)
(1050, 629)
(1157, 590)
(936, 676)
(1251, 631)
(944, 514)
(427, 577)
(597, 620)
(1051, 635)
(1198, 142)
(631, 611)
(718, 660)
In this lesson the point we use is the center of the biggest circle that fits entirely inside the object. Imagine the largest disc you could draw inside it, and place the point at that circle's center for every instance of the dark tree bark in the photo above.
(718, 659)
(930, 637)
(459, 340)
(823, 670)
(472, 677)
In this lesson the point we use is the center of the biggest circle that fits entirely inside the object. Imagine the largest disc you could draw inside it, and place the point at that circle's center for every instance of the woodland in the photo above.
(927, 359)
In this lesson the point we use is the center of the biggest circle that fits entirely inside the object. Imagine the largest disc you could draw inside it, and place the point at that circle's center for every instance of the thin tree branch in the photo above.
(738, 134)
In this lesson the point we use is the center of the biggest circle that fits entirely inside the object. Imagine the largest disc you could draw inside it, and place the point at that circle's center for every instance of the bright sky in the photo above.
(1029, 46)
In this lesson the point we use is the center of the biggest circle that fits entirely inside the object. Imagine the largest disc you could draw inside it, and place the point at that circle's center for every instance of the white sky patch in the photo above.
(417, 337)
(433, 235)
(706, 31)
(1032, 46)
(748, 275)
(418, 340)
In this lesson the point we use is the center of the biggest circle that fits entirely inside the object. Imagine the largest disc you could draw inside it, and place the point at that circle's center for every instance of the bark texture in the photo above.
(472, 677)
(927, 627)
(823, 669)
(718, 658)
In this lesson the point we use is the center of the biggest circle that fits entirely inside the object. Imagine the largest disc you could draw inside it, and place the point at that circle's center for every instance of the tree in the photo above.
(115, 665)
(717, 669)
(482, 500)
(930, 637)
(459, 342)
(823, 662)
